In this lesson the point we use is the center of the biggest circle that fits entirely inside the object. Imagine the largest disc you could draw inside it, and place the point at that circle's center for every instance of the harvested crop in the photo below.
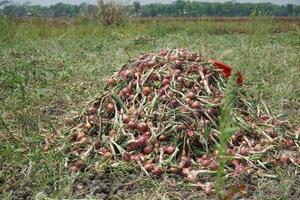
(164, 109)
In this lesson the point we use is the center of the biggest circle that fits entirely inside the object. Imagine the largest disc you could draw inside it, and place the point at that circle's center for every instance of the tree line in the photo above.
(176, 9)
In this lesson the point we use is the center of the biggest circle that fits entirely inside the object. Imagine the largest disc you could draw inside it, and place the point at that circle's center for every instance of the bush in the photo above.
(112, 13)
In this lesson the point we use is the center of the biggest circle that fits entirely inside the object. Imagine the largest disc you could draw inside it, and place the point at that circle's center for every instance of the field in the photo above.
(51, 69)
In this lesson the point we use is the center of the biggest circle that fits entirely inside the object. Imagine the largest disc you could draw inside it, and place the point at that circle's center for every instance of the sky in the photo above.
(51, 2)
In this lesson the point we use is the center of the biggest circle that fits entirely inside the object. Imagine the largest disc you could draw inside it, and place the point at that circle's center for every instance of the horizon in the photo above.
(143, 2)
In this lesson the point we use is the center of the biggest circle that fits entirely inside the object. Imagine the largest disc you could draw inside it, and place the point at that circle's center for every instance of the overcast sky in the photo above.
(47, 2)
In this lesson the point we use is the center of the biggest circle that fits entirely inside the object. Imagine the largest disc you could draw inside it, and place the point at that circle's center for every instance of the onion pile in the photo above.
(161, 112)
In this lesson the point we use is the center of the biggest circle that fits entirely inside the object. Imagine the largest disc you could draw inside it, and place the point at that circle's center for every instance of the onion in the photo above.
(257, 147)
(186, 171)
(177, 73)
(174, 103)
(191, 95)
(148, 149)
(284, 158)
(197, 59)
(185, 162)
(142, 127)
(172, 170)
(111, 82)
(208, 189)
(157, 171)
(196, 105)
(163, 52)
(180, 79)
(110, 107)
(243, 151)
(190, 133)
(184, 109)
(239, 169)
(205, 162)
(235, 162)
(133, 146)
(91, 109)
(132, 125)
(180, 127)
(137, 158)
(142, 140)
(127, 156)
(205, 156)
(178, 63)
(229, 152)
(126, 119)
(165, 82)
(289, 143)
(92, 118)
(169, 150)
(187, 83)
(107, 154)
(264, 117)
(213, 166)
(148, 166)
(147, 134)
(80, 135)
(128, 74)
(98, 144)
(162, 138)
(192, 176)
(146, 91)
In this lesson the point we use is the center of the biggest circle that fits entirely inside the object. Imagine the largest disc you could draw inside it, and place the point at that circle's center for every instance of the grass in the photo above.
(49, 70)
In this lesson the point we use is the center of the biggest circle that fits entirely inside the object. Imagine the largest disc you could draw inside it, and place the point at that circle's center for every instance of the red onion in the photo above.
(142, 127)
(132, 125)
(191, 95)
(165, 82)
(148, 166)
(80, 135)
(142, 140)
(126, 119)
(91, 109)
(157, 171)
(196, 105)
(127, 156)
(208, 189)
(162, 138)
(148, 149)
(147, 134)
(146, 91)
(92, 119)
(169, 150)
(289, 143)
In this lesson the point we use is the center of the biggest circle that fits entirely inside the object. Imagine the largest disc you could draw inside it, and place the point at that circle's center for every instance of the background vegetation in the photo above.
(177, 8)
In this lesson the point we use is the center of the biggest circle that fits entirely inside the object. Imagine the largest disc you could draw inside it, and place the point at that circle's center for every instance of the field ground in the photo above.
(50, 70)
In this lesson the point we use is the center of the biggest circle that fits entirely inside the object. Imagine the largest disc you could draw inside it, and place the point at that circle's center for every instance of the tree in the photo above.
(137, 8)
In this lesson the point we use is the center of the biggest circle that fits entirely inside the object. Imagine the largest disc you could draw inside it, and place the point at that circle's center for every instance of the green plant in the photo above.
(112, 13)
(226, 127)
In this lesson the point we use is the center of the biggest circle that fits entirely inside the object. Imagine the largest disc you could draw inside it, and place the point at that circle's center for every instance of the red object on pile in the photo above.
(227, 70)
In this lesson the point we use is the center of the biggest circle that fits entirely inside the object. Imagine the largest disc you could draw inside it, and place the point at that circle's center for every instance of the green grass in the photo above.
(50, 70)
